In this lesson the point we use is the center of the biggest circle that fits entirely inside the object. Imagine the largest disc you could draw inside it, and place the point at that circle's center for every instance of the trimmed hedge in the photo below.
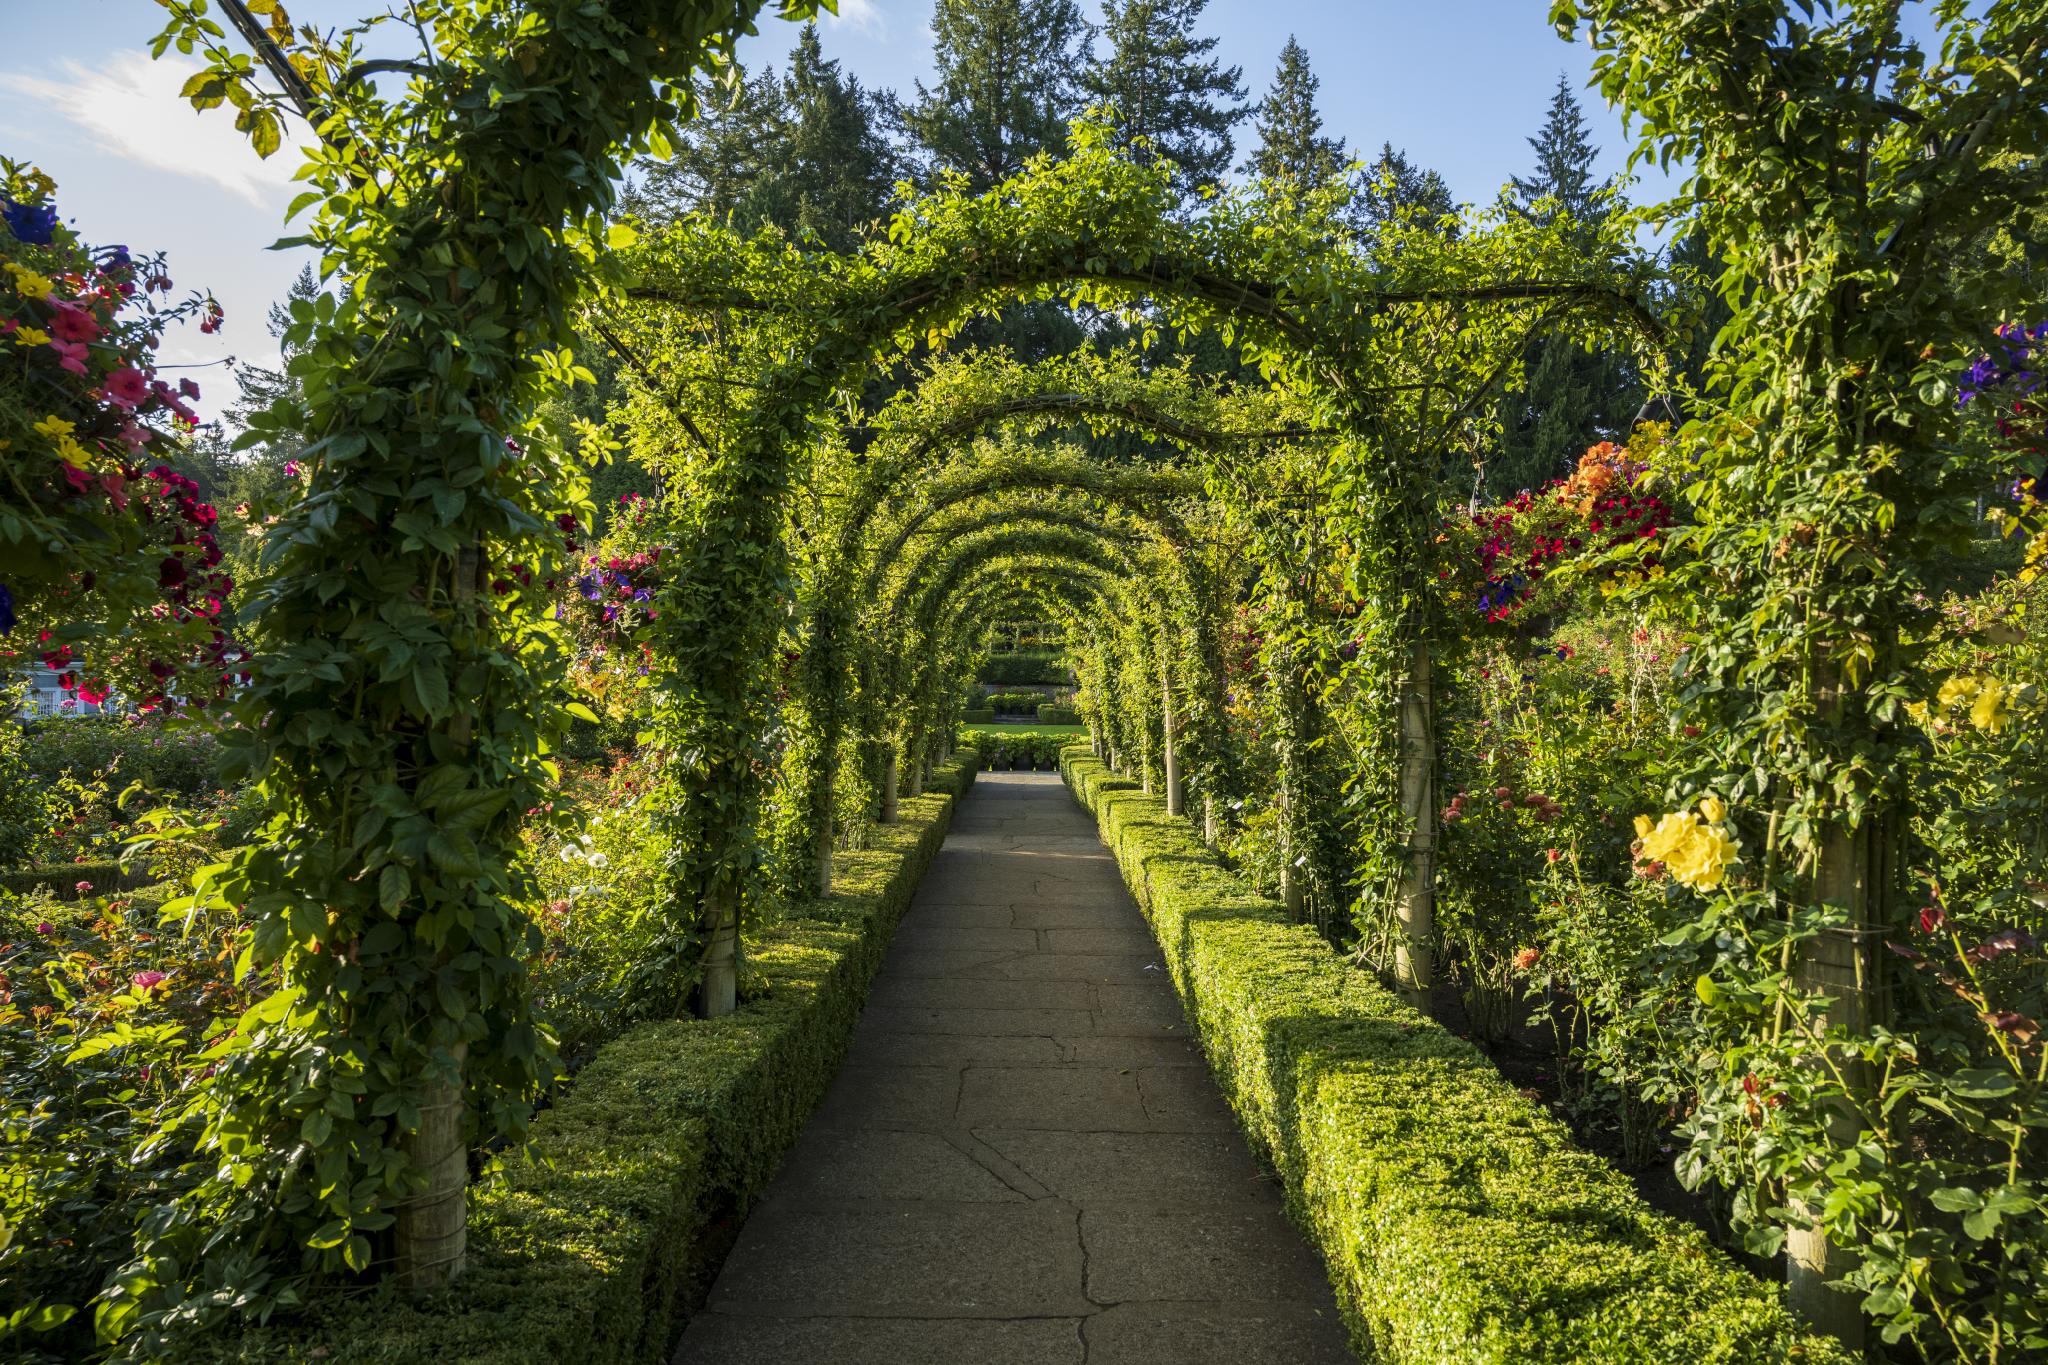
(1459, 1221)
(1051, 714)
(62, 879)
(590, 1253)
(1025, 666)
(978, 715)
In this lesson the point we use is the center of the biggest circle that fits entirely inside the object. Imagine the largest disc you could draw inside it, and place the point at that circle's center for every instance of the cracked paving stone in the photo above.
(1023, 1159)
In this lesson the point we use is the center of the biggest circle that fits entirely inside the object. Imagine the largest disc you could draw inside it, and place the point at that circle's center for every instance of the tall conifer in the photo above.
(1005, 88)
(1570, 398)
(1292, 147)
(1170, 97)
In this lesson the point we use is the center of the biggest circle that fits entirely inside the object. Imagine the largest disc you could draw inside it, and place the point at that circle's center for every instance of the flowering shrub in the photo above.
(104, 1018)
(1499, 562)
(97, 530)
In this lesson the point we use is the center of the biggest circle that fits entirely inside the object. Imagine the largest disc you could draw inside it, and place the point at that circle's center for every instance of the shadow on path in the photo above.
(1024, 1160)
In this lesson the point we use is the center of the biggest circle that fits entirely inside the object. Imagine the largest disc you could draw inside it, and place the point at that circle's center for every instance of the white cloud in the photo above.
(865, 15)
(128, 106)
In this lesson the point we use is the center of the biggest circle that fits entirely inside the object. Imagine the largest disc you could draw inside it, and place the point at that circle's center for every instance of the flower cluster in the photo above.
(1503, 555)
(106, 530)
(1694, 848)
(1989, 701)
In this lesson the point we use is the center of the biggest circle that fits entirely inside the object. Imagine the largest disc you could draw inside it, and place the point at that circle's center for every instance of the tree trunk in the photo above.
(718, 990)
(430, 1240)
(1210, 832)
(1176, 799)
(1415, 902)
(913, 778)
(821, 876)
(1853, 871)
(889, 767)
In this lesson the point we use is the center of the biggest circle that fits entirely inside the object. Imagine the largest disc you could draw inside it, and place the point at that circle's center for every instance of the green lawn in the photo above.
(1034, 728)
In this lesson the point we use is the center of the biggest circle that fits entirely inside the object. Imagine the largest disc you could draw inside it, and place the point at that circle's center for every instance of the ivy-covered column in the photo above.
(1415, 898)
(397, 721)
(1169, 724)
(1290, 741)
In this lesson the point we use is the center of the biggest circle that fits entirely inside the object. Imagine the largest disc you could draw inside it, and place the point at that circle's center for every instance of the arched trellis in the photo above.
(963, 399)
(1088, 592)
(1098, 229)
(919, 601)
(885, 679)
(1142, 493)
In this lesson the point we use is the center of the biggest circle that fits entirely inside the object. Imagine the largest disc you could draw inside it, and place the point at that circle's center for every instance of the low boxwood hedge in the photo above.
(1459, 1221)
(62, 879)
(591, 1251)
(978, 715)
(1053, 714)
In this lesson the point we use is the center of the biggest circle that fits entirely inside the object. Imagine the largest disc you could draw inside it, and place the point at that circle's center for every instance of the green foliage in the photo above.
(1168, 96)
(592, 1247)
(1436, 1193)
(1023, 667)
(1845, 175)
(399, 721)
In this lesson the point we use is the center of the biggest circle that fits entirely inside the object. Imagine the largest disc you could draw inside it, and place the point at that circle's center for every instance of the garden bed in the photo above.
(596, 1249)
(1459, 1222)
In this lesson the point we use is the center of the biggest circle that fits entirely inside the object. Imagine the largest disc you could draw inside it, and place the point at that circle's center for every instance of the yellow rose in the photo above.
(72, 453)
(1671, 834)
(1702, 860)
(1713, 811)
(1988, 711)
(1642, 827)
(1957, 690)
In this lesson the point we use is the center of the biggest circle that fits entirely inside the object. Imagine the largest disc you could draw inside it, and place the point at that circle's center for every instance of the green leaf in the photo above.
(393, 885)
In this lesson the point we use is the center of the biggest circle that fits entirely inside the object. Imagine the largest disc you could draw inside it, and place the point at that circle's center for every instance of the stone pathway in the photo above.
(1024, 1160)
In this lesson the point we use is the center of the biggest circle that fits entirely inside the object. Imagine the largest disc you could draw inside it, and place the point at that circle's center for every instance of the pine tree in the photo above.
(803, 152)
(1394, 186)
(832, 169)
(1005, 89)
(1570, 398)
(1564, 181)
(722, 155)
(1170, 98)
(1292, 148)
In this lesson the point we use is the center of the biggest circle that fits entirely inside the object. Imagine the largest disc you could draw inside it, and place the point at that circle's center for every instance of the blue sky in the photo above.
(1459, 84)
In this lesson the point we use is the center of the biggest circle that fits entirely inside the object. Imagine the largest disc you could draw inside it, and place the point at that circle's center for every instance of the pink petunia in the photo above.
(70, 355)
(71, 323)
(126, 386)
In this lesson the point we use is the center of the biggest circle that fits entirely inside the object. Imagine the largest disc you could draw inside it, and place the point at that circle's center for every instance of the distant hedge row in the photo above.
(589, 1252)
(1458, 1220)
(1025, 666)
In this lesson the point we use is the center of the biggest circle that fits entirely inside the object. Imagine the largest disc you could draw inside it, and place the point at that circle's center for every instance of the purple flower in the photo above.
(31, 224)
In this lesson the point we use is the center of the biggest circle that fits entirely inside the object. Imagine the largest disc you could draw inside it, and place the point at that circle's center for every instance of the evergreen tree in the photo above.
(1005, 89)
(1570, 398)
(1393, 186)
(832, 169)
(722, 155)
(803, 152)
(1564, 164)
(1166, 89)
(1292, 147)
